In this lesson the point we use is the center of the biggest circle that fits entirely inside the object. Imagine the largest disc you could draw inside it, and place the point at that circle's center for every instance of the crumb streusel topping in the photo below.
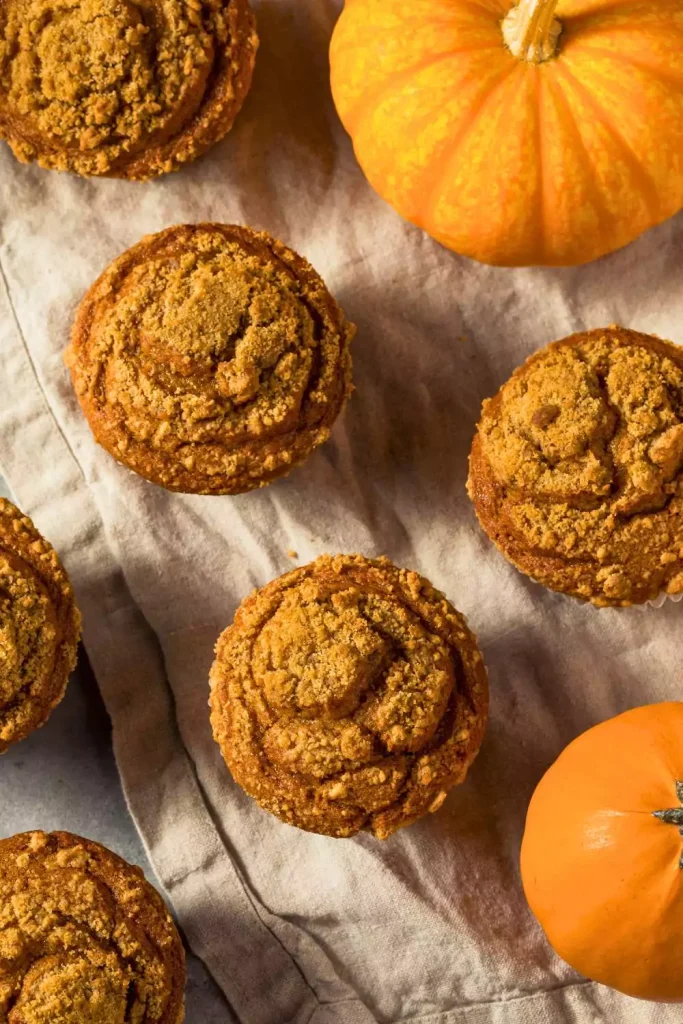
(210, 358)
(39, 627)
(348, 695)
(577, 467)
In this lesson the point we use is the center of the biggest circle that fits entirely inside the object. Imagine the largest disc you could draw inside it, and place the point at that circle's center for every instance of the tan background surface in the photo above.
(432, 926)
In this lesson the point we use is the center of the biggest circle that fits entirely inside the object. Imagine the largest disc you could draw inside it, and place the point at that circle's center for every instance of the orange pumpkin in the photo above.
(549, 133)
(602, 860)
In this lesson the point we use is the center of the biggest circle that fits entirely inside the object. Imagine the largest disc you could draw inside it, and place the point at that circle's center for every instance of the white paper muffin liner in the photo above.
(662, 598)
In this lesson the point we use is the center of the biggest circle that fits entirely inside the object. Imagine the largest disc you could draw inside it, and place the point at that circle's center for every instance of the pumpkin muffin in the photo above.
(576, 471)
(348, 695)
(84, 938)
(39, 627)
(122, 88)
(210, 359)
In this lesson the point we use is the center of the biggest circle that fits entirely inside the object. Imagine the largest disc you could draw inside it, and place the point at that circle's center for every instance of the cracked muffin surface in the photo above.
(210, 359)
(122, 88)
(84, 938)
(348, 695)
(576, 470)
(39, 627)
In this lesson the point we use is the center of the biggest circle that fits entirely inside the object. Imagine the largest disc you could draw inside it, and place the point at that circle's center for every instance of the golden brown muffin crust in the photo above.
(347, 695)
(576, 471)
(84, 938)
(210, 359)
(39, 627)
(123, 88)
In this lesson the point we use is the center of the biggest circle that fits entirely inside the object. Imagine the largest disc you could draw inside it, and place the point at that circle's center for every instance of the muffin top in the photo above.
(126, 88)
(210, 359)
(576, 471)
(348, 695)
(84, 938)
(39, 627)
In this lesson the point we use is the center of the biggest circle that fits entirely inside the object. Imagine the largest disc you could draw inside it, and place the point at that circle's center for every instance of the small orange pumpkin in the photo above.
(602, 860)
(549, 133)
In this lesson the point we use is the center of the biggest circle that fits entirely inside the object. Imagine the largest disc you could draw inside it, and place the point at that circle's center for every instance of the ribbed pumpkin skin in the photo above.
(509, 162)
(601, 873)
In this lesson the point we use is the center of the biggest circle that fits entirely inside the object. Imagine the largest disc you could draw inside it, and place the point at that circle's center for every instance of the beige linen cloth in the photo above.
(431, 926)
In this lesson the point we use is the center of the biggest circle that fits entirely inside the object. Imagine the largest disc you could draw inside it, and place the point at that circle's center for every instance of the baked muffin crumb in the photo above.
(210, 359)
(83, 937)
(576, 471)
(348, 695)
(39, 627)
(117, 88)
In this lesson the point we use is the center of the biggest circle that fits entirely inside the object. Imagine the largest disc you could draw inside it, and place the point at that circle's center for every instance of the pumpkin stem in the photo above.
(531, 30)
(674, 815)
